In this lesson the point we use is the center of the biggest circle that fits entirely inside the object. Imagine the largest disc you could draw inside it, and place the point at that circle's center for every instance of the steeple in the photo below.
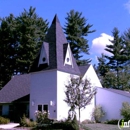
(55, 20)
(57, 51)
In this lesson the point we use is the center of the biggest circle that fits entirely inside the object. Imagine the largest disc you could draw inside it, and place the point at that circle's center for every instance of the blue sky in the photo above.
(103, 14)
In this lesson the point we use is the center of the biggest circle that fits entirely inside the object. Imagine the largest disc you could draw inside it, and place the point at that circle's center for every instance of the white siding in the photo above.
(43, 90)
(111, 103)
(62, 107)
(92, 77)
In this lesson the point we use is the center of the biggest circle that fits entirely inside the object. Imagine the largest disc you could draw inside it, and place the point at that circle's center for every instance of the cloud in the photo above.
(99, 44)
(127, 6)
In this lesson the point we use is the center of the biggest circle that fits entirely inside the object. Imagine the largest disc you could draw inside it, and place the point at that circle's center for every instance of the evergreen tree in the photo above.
(20, 40)
(76, 30)
(102, 69)
(32, 30)
(118, 57)
(7, 48)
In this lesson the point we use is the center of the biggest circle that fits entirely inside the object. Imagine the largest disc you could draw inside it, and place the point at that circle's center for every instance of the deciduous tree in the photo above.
(79, 93)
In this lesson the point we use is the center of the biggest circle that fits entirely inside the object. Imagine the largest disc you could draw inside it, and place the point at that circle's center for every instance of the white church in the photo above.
(44, 87)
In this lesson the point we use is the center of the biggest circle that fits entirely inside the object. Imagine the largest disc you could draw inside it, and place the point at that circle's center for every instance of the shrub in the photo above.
(4, 120)
(98, 113)
(75, 123)
(113, 121)
(24, 121)
(42, 117)
(87, 122)
(125, 111)
(63, 125)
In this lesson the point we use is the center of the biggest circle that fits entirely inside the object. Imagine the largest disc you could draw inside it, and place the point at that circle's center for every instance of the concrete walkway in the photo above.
(9, 126)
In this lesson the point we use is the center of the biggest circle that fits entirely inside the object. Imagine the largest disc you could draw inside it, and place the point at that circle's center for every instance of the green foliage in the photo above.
(125, 111)
(113, 121)
(20, 39)
(79, 93)
(63, 124)
(76, 30)
(97, 113)
(116, 60)
(113, 70)
(42, 118)
(75, 123)
(4, 120)
(24, 121)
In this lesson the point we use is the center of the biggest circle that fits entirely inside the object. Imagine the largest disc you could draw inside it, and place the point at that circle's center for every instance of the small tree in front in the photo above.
(79, 94)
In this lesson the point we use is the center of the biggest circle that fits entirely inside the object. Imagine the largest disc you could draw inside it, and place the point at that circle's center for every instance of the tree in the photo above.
(79, 93)
(102, 69)
(76, 30)
(118, 57)
(7, 48)
(32, 30)
(20, 40)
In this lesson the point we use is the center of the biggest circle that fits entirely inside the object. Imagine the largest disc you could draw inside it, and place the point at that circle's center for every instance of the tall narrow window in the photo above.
(39, 107)
(45, 108)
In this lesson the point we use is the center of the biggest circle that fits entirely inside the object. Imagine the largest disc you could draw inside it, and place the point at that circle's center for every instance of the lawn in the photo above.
(99, 126)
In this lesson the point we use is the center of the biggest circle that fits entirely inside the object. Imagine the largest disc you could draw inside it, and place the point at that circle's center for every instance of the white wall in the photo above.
(49, 86)
(111, 103)
(62, 107)
(92, 77)
(43, 89)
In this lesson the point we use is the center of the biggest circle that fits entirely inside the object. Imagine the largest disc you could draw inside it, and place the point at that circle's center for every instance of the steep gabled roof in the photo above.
(56, 42)
(16, 88)
(83, 69)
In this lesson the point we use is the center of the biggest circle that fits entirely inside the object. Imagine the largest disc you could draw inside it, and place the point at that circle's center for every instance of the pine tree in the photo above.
(32, 30)
(20, 40)
(118, 57)
(7, 48)
(76, 30)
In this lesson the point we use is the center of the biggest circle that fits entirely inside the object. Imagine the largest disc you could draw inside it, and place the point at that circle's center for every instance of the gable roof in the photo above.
(16, 88)
(83, 69)
(56, 41)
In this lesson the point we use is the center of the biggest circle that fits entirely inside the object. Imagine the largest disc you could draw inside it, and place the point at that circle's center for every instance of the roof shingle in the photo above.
(17, 87)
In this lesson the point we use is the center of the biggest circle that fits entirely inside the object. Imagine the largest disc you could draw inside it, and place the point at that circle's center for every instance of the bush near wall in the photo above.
(97, 113)
(26, 122)
(125, 111)
(4, 120)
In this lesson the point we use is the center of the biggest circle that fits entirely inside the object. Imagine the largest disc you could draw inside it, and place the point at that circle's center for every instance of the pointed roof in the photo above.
(56, 41)
(83, 69)
(16, 88)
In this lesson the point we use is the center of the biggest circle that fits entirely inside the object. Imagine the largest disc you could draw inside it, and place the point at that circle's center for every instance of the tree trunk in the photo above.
(79, 116)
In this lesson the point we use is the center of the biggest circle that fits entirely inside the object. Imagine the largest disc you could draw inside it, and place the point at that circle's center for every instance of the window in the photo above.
(44, 59)
(45, 108)
(0, 110)
(39, 107)
(68, 59)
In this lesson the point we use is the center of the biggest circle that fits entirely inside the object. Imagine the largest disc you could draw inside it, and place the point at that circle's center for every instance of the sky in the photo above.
(104, 15)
